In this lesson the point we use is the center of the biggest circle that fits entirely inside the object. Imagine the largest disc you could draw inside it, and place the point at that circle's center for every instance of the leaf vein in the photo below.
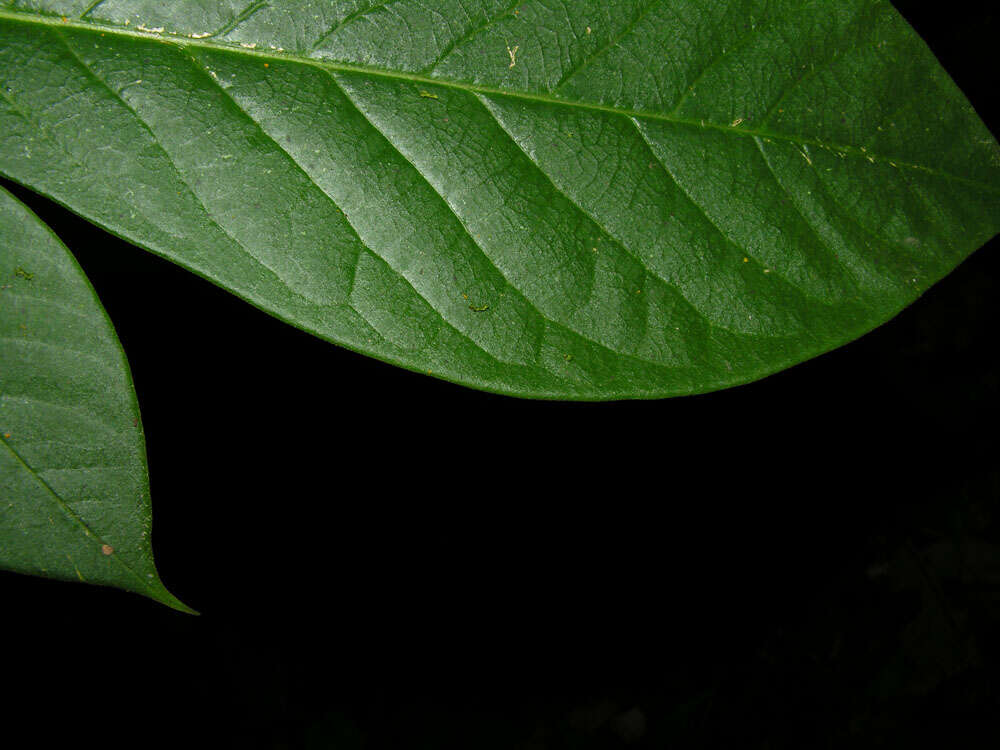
(176, 169)
(647, 270)
(451, 46)
(798, 210)
(611, 44)
(486, 256)
(362, 244)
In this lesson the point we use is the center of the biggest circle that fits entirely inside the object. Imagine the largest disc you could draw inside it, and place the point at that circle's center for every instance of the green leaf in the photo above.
(575, 200)
(74, 493)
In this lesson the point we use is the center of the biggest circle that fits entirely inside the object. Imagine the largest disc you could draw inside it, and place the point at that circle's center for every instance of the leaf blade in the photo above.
(458, 232)
(73, 474)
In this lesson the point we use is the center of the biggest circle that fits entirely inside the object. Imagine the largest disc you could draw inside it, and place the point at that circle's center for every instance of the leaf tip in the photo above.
(159, 593)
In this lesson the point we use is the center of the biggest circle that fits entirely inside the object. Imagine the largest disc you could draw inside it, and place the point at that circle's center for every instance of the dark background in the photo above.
(384, 560)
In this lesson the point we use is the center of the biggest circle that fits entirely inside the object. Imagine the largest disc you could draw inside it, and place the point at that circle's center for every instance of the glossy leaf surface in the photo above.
(74, 493)
(564, 200)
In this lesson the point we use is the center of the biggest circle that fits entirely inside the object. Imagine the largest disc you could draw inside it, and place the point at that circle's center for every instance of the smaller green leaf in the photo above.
(74, 488)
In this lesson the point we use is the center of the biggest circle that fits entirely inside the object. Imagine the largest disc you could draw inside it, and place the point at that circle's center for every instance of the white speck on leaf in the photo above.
(513, 55)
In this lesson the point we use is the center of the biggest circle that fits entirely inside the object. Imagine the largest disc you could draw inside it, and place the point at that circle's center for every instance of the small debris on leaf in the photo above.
(513, 55)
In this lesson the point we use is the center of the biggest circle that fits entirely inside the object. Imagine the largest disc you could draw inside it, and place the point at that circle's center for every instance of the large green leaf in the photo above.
(573, 200)
(74, 494)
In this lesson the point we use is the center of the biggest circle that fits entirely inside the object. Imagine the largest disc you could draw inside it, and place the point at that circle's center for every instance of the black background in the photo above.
(384, 560)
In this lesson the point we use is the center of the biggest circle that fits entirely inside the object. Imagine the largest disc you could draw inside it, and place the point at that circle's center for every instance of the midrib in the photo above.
(181, 41)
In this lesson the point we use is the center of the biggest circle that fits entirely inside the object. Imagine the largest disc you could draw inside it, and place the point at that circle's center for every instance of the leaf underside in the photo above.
(573, 200)
(74, 497)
